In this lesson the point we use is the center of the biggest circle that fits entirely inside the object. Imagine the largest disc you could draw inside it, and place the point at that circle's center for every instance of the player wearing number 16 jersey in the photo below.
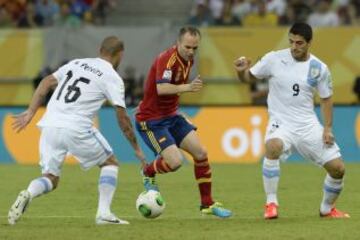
(81, 87)
(294, 76)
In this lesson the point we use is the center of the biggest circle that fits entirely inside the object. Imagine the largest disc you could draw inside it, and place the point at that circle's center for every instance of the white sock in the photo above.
(331, 190)
(107, 186)
(40, 186)
(271, 175)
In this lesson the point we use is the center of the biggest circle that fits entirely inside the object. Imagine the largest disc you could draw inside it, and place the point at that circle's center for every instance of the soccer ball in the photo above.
(150, 204)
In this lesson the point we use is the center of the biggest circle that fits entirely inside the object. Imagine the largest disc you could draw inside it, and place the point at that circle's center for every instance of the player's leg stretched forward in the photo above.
(37, 187)
(271, 175)
(333, 184)
(202, 172)
(49, 181)
(169, 160)
(51, 160)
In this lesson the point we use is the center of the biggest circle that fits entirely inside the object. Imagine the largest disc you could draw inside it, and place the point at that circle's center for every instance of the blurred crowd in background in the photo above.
(43, 13)
(266, 13)
(241, 13)
(247, 13)
(271, 13)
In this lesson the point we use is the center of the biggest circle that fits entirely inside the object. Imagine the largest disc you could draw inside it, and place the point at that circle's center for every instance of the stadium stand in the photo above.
(155, 12)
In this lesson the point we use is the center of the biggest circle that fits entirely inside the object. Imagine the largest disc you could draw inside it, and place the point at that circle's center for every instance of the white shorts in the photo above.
(89, 148)
(309, 144)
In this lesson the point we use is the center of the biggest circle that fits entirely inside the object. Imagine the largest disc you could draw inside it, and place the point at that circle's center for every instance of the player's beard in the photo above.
(116, 64)
(299, 55)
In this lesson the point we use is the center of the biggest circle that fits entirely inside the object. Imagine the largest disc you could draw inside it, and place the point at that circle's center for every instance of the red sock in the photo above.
(203, 176)
(157, 166)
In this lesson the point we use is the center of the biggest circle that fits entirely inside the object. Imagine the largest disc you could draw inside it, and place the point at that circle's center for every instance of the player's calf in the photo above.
(157, 166)
(160, 166)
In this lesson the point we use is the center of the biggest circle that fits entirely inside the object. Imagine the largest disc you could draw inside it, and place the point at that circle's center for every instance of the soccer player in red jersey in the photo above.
(164, 130)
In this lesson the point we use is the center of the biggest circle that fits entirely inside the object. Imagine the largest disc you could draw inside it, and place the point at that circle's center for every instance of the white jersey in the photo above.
(83, 86)
(292, 85)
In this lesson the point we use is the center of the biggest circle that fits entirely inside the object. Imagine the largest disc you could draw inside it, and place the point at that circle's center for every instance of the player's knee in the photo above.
(338, 172)
(110, 161)
(54, 180)
(335, 168)
(201, 154)
(175, 164)
(274, 148)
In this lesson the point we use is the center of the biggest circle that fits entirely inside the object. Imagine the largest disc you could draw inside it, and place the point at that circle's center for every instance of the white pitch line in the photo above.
(59, 216)
(168, 217)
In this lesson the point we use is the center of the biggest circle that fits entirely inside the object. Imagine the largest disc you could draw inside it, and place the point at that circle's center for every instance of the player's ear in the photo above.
(119, 55)
(309, 43)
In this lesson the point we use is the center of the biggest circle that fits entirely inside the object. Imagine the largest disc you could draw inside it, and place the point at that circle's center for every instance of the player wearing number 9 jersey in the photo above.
(294, 76)
(81, 87)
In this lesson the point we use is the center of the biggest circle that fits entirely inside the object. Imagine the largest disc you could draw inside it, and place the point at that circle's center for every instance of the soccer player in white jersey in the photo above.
(81, 87)
(294, 76)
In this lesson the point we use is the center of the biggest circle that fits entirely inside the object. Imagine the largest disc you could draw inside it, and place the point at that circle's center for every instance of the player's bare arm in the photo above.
(242, 66)
(127, 128)
(169, 89)
(326, 109)
(23, 119)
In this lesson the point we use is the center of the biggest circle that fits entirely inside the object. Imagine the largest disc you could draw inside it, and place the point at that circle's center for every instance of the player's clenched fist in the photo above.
(196, 84)
(242, 63)
(328, 137)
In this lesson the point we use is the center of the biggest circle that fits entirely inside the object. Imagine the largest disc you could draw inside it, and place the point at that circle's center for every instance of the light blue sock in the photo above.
(332, 189)
(107, 186)
(39, 186)
(271, 176)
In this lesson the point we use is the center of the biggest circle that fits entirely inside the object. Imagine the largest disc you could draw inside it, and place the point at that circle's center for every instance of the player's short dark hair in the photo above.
(193, 31)
(302, 29)
(111, 45)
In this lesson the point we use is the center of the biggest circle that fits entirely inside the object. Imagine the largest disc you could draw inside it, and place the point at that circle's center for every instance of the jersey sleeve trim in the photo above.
(163, 81)
(171, 61)
(55, 75)
(119, 105)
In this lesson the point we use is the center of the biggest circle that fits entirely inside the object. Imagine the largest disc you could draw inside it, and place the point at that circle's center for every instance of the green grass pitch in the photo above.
(68, 212)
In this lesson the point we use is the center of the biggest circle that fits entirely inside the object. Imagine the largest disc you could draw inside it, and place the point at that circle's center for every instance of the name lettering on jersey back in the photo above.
(91, 69)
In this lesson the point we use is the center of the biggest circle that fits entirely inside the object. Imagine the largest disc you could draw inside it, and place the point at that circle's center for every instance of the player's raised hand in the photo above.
(328, 136)
(22, 120)
(196, 84)
(241, 64)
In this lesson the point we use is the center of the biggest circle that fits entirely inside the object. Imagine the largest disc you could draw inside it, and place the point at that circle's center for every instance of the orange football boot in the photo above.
(271, 211)
(334, 213)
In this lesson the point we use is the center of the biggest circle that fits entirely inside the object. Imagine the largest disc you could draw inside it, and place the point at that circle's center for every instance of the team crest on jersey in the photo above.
(167, 74)
(329, 82)
(314, 72)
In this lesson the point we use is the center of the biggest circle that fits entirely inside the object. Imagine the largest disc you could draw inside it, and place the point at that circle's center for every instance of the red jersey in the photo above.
(168, 67)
